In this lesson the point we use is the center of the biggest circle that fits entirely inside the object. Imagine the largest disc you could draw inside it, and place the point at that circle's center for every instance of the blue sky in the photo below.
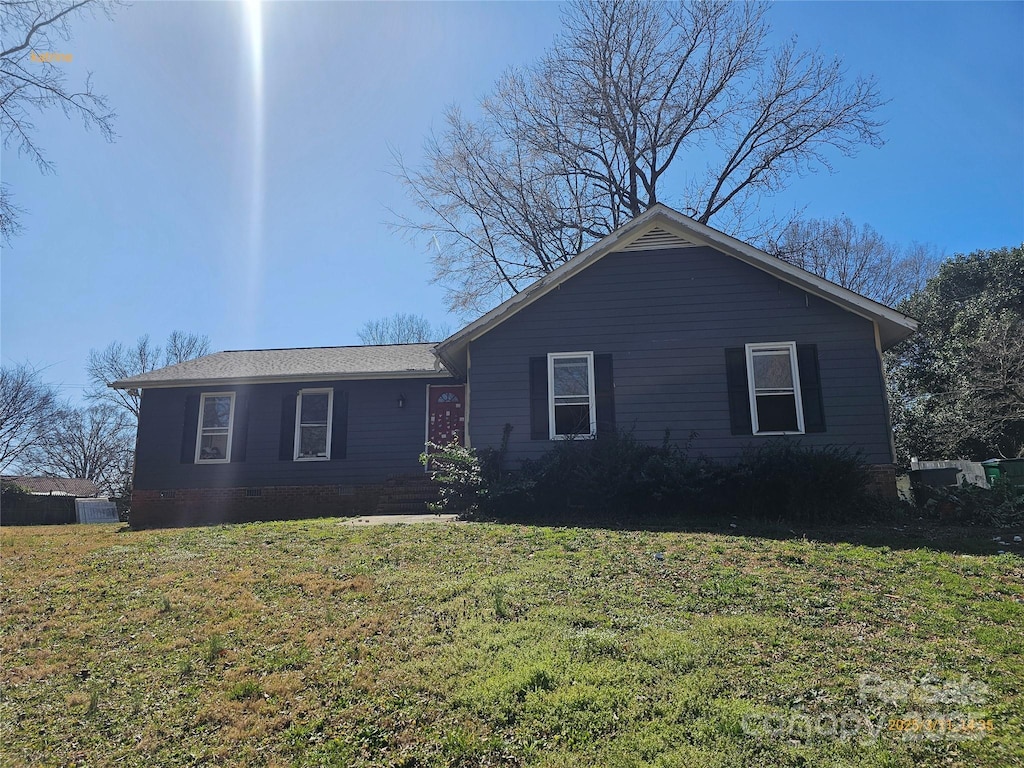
(157, 231)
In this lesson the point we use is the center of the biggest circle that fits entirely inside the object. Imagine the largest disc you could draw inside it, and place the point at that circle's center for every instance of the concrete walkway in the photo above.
(400, 519)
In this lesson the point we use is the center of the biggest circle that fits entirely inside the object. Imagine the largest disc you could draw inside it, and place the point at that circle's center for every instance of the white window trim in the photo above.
(790, 346)
(199, 429)
(552, 356)
(298, 423)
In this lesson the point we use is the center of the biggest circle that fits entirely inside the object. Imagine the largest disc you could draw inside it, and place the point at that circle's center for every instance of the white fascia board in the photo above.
(452, 349)
(242, 380)
(800, 278)
(461, 340)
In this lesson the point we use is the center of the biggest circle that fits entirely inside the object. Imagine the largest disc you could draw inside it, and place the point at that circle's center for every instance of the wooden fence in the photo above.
(19, 509)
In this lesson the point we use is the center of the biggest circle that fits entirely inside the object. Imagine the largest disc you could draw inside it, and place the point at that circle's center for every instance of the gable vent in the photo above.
(658, 239)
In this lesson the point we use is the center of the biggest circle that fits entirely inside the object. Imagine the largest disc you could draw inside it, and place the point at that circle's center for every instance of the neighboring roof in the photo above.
(658, 227)
(390, 361)
(78, 487)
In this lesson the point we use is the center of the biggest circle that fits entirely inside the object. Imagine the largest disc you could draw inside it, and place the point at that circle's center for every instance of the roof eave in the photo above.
(891, 334)
(901, 326)
(893, 325)
(298, 379)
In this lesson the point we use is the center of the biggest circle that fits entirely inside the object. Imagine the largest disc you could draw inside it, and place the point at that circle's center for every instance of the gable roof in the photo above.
(663, 227)
(388, 361)
(78, 487)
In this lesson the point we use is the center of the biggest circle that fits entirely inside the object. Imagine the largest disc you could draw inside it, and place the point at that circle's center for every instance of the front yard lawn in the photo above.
(312, 643)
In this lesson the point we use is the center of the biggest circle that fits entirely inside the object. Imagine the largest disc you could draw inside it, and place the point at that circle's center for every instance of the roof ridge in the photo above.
(364, 361)
(333, 346)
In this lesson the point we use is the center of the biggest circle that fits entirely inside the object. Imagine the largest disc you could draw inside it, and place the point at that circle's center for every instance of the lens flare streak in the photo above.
(253, 11)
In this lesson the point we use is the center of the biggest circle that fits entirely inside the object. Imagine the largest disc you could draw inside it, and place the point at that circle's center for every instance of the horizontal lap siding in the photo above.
(383, 440)
(667, 317)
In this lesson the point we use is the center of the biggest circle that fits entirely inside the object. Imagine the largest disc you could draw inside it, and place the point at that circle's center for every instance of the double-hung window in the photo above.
(774, 383)
(216, 419)
(314, 409)
(571, 403)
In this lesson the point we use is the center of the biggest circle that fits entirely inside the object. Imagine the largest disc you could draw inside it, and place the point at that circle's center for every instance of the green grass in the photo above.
(314, 644)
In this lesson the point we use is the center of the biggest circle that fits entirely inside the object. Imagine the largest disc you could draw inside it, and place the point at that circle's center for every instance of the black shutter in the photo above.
(539, 398)
(240, 430)
(604, 394)
(810, 387)
(288, 427)
(339, 426)
(190, 424)
(739, 392)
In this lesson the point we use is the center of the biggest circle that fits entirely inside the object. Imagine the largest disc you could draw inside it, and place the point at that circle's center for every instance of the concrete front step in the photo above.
(403, 508)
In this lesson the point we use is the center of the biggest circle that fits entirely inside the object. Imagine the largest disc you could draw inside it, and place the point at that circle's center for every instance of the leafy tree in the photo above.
(118, 361)
(957, 386)
(32, 79)
(95, 443)
(632, 97)
(401, 328)
(858, 258)
(28, 409)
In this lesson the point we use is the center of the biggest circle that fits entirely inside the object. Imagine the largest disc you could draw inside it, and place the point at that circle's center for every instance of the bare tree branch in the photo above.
(95, 443)
(117, 361)
(183, 346)
(31, 83)
(40, 22)
(856, 258)
(10, 215)
(28, 409)
(630, 94)
(401, 328)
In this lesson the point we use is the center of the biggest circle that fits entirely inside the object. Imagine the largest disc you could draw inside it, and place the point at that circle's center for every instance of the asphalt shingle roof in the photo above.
(311, 363)
(58, 486)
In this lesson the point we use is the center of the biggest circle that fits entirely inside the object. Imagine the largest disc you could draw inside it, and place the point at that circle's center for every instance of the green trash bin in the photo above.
(1010, 470)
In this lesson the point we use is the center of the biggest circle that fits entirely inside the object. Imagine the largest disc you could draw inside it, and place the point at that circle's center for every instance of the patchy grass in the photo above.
(310, 643)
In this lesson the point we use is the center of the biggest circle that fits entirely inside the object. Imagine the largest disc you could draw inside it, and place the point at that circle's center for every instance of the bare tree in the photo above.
(32, 80)
(401, 328)
(633, 96)
(10, 215)
(95, 443)
(28, 409)
(858, 258)
(118, 361)
(183, 346)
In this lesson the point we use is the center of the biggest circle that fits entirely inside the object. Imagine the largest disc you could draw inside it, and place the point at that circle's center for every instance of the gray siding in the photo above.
(667, 317)
(383, 440)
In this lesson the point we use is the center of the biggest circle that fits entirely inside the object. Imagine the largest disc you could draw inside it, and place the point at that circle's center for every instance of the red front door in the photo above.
(446, 414)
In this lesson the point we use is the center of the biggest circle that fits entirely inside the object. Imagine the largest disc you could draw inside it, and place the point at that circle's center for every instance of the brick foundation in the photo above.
(407, 494)
(883, 481)
(213, 506)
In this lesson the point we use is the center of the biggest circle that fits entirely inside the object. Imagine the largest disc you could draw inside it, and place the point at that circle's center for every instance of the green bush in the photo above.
(618, 476)
(783, 480)
(11, 493)
(612, 476)
(1001, 506)
(457, 470)
(670, 480)
(589, 476)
